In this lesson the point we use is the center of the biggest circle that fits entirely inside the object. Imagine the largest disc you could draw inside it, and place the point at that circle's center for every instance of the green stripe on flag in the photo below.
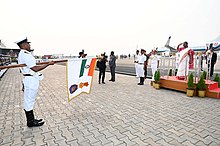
(82, 67)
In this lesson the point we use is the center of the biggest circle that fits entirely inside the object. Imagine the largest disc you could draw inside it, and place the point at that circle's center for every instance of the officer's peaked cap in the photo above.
(24, 40)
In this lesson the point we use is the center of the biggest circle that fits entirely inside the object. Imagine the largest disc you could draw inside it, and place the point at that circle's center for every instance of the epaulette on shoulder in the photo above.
(26, 52)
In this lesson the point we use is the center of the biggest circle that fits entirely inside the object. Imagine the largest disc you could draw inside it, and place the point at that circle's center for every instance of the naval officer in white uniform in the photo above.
(154, 62)
(141, 65)
(136, 62)
(31, 79)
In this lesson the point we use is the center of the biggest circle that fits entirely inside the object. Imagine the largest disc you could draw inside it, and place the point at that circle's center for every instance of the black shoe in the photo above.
(31, 121)
(140, 83)
(110, 80)
(103, 82)
(113, 80)
(35, 124)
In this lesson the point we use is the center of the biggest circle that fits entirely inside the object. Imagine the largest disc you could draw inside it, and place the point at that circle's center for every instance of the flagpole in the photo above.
(22, 65)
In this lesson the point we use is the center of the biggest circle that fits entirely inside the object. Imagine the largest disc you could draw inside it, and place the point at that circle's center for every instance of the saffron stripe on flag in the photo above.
(82, 67)
(92, 67)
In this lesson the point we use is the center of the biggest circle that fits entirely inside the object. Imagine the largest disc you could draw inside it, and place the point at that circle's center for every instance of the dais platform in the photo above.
(171, 82)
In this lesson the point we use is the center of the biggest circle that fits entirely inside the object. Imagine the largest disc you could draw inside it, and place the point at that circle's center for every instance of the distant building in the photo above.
(13, 53)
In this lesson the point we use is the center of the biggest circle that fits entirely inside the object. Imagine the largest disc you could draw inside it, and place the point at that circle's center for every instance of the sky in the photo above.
(97, 26)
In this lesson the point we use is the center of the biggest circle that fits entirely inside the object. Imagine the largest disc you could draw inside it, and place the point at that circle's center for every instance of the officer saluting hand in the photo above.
(30, 80)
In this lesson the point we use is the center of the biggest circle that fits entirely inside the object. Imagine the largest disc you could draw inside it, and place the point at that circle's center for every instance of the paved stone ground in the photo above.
(120, 113)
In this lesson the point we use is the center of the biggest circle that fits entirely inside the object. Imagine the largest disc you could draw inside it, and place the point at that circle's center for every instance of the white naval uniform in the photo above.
(140, 68)
(136, 64)
(31, 83)
(154, 64)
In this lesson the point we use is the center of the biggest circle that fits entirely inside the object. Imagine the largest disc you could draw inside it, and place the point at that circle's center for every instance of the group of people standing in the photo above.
(141, 62)
(184, 61)
(101, 65)
(32, 77)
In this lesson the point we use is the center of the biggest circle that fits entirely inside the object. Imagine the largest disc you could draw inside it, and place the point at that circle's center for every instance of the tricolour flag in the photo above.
(79, 76)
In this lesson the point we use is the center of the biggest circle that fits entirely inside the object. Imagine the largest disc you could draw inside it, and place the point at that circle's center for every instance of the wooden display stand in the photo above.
(171, 82)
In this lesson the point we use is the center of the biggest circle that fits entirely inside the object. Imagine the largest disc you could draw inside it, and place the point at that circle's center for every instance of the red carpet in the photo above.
(212, 85)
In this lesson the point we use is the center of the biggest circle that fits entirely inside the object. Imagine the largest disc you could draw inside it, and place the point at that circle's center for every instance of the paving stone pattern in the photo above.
(117, 113)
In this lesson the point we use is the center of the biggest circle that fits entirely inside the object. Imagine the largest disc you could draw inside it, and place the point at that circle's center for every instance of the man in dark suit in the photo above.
(146, 63)
(101, 64)
(213, 60)
(112, 66)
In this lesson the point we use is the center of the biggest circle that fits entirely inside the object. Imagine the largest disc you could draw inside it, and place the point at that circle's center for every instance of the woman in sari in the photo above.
(185, 61)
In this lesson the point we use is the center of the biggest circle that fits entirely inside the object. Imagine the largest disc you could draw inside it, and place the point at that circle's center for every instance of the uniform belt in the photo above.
(27, 75)
(140, 63)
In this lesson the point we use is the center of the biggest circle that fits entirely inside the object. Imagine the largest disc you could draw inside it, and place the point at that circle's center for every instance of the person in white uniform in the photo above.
(154, 63)
(136, 62)
(31, 79)
(141, 66)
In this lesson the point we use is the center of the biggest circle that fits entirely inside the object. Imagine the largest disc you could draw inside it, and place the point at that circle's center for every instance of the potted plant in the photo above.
(157, 80)
(217, 79)
(153, 82)
(201, 87)
(190, 86)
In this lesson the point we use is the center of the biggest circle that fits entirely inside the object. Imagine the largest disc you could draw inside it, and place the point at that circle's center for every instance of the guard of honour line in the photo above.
(180, 62)
(82, 79)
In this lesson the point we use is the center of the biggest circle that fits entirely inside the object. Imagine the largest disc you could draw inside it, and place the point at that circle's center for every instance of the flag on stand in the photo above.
(79, 76)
